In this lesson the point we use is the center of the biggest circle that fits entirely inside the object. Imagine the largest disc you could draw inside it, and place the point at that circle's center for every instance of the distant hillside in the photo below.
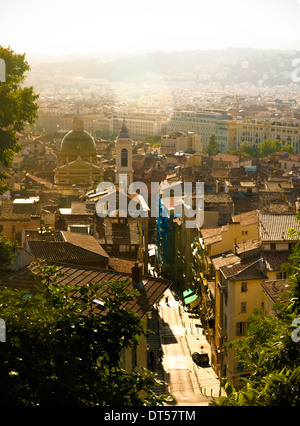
(225, 66)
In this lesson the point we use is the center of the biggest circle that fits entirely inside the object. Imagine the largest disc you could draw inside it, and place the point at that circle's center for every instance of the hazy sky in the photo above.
(96, 26)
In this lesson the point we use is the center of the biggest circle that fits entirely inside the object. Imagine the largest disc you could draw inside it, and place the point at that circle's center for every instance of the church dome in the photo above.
(78, 142)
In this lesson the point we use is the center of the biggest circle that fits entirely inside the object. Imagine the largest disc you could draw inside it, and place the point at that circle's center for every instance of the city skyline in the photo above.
(62, 28)
(156, 198)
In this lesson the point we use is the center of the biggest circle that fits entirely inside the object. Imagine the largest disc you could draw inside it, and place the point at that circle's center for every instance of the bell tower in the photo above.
(124, 157)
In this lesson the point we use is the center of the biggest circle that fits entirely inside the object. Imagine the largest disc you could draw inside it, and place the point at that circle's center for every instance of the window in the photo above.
(281, 275)
(241, 328)
(244, 232)
(273, 246)
(244, 287)
(124, 157)
(243, 307)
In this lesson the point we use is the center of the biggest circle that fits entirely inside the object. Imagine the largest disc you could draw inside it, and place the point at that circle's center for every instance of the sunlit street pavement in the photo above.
(179, 337)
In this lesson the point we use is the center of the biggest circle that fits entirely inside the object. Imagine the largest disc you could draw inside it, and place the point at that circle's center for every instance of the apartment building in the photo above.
(55, 121)
(255, 132)
(140, 125)
(103, 124)
(236, 261)
(238, 293)
(205, 124)
(180, 142)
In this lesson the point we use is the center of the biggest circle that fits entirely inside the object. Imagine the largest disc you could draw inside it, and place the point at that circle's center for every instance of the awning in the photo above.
(188, 293)
(192, 300)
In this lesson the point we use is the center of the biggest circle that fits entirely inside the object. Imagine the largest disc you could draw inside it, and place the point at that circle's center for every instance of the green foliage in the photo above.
(7, 251)
(261, 330)
(246, 150)
(17, 106)
(265, 149)
(288, 148)
(273, 365)
(213, 146)
(62, 350)
(105, 134)
(268, 147)
(278, 388)
(153, 140)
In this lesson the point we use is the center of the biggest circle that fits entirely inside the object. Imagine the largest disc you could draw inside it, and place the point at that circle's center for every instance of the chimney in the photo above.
(137, 275)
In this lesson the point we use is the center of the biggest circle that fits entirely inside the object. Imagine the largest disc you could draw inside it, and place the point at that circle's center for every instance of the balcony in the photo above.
(222, 333)
(222, 289)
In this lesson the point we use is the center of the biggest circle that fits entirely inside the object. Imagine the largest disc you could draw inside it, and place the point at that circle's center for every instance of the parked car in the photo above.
(202, 360)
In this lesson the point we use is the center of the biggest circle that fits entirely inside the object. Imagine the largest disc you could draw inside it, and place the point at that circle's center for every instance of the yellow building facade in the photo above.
(235, 300)
(255, 132)
(216, 241)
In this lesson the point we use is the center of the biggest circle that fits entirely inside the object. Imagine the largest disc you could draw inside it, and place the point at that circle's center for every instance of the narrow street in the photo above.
(179, 338)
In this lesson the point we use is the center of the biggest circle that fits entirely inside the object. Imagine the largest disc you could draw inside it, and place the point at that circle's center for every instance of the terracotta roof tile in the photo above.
(88, 242)
(273, 227)
(247, 218)
(65, 252)
(226, 157)
(274, 260)
(213, 235)
(225, 260)
(217, 198)
(152, 288)
(246, 246)
(247, 269)
(65, 246)
(276, 289)
(117, 233)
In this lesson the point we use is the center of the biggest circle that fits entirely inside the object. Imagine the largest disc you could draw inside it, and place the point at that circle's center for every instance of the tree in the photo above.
(213, 146)
(268, 147)
(288, 148)
(153, 140)
(271, 358)
(7, 251)
(61, 351)
(105, 134)
(247, 149)
(17, 106)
